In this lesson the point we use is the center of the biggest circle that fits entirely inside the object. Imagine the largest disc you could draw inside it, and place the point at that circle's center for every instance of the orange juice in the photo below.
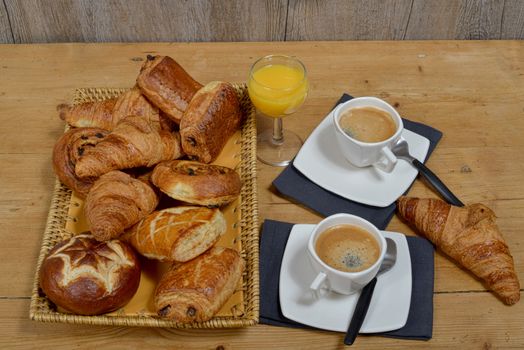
(278, 90)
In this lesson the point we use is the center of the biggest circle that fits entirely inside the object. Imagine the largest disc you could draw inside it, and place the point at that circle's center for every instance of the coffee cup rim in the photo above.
(316, 232)
(398, 119)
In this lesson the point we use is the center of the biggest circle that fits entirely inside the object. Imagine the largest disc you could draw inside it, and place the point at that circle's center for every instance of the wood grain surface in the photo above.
(39, 21)
(473, 91)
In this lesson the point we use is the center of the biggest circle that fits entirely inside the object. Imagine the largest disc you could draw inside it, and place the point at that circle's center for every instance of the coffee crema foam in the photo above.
(347, 248)
(368, 124)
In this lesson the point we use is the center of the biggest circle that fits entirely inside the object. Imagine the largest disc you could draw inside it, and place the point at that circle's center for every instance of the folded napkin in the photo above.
(419, 325)
(292, 184)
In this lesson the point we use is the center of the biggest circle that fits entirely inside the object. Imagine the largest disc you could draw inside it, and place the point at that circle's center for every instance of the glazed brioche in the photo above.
(133, 143)
(116, 202)
(88, 277)
(211, 118)
(167, 85)
(196, 290)
(177, 234)
(66, 152)
(197, 183)
(470, 236)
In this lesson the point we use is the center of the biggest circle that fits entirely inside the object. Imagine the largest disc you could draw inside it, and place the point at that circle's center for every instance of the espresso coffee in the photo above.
(368, 124)
(347, 248)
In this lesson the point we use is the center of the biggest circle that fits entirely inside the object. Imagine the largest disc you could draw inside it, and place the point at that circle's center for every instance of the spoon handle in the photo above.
(437, 184)
(360, 312)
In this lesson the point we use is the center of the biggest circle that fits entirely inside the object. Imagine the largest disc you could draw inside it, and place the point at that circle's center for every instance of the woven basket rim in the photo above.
(57, 216)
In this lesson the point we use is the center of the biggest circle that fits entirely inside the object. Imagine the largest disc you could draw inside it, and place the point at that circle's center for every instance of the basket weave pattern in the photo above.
(42, 309)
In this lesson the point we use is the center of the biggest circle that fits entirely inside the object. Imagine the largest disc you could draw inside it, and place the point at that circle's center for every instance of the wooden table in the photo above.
(472, 91)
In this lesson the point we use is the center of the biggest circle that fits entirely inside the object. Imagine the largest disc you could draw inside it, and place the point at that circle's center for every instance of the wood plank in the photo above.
(479, 19)
(6, 36)
(513, 20)
(458, 321)
(143, 20)
(347, 20)
(450, 19)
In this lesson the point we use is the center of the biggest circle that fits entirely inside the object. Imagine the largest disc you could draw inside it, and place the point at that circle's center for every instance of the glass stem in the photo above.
(278, 136)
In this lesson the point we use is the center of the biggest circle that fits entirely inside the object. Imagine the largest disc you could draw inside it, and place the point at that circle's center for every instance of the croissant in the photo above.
(116, 202)
(68, 149)
(107, 114)
(470, 236)
(133, 143)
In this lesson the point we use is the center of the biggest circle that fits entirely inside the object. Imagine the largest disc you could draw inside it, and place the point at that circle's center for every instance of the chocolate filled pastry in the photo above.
(177, 234)
(197, 183)
(108, 113)
(196, 290)
(116, 202)
(211, 118)
(167, 85)
(470, 236)
(135, 142)
(88, 277)
(66, 152)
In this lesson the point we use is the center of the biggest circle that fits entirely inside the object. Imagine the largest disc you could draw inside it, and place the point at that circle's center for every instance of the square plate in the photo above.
(321, 161)
(389, 306)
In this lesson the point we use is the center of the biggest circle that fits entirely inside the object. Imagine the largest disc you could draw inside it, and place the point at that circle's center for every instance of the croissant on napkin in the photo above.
(470, 236)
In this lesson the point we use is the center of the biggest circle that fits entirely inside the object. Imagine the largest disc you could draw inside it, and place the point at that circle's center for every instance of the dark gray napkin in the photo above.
(419, 325)
(292, 184)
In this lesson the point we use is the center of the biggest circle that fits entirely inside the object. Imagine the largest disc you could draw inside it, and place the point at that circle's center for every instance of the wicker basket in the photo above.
(246, 314)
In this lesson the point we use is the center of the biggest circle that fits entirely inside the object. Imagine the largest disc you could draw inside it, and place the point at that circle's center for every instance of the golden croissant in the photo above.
(108, 113)
(470, 236)
(133, 143)
(117, 201)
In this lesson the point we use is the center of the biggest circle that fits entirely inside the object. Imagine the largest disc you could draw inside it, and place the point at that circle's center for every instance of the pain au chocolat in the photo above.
(211, 118)
(167, 85)
(197, 183)
(88, 277)
(194, 291)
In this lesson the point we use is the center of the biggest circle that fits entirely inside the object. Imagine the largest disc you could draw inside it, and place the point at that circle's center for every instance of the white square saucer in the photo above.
(389, 306)
(321, 161)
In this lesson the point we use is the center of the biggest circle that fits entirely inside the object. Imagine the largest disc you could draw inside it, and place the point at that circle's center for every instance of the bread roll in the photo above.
(116, 202)
(197, 183)
(194, 291)
(167, 85)
(210, 120)
(177, 234)
(88, 277)
(68, 149)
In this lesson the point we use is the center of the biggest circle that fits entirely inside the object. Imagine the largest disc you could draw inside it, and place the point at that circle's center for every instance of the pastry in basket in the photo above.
(116, 202)
(178, 233)
(211, 118)
(108, 113)
(133, 143)
(88, 277)
(167, 85)
(197, 183)
(68, 149)
(470, 236)
(194, 291)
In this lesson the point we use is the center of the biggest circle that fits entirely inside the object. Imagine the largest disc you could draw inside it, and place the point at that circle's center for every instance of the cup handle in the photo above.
(387, 163)
(317, 283)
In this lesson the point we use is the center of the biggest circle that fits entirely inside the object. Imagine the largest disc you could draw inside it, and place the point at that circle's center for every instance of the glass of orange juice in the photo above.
(277, 87)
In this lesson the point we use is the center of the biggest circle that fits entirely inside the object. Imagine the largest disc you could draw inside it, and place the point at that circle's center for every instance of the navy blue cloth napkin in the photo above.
(419, 325)
(292, 184)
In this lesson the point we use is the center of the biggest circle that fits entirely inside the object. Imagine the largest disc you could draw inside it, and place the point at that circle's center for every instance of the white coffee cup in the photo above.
(336, 280)
(362, 154)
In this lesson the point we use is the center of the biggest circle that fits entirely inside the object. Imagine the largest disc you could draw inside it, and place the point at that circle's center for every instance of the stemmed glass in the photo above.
(277, 87)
